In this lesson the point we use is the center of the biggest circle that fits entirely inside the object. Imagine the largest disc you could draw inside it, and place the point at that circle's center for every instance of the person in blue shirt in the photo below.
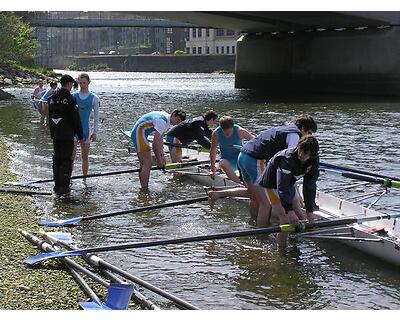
(88, 103)
(228, 136)
(43, 104)
(156, 123)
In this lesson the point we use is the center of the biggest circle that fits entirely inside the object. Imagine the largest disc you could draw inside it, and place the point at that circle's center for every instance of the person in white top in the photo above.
(87, 103)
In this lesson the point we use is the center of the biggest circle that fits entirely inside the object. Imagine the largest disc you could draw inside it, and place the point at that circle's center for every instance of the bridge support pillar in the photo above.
(349, 62)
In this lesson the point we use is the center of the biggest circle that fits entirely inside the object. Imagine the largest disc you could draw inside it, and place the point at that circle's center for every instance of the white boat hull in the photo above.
(384, 245)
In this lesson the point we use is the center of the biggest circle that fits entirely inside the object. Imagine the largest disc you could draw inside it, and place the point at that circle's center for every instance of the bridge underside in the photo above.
(320, 52)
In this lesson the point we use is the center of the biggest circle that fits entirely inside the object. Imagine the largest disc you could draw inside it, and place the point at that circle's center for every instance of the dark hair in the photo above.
(53, 84)
(226, 122)
(210, 115)
(309, 144)
(75, 84)
(66, 78)
(306, 122)
(84, 75)
(179, 113)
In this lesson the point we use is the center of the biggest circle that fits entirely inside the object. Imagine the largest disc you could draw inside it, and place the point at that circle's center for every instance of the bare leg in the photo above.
(176, 156)
(145, 165)
(264, 209)
(226, 167)
(283, 219)
(85, 147)
(297, 209)
(214, 195)
(74, 155)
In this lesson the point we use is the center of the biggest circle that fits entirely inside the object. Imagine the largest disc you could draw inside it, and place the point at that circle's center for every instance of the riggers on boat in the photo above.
(377, 238)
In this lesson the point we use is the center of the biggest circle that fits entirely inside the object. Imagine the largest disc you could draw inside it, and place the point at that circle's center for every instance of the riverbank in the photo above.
(48, 286)
(20, 76)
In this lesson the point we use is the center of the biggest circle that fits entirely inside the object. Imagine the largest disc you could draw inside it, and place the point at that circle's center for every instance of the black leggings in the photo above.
(62, 163)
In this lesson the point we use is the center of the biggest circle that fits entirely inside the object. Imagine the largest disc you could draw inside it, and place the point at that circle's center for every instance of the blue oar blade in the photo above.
(119, 295)
(59, 223)
(51, 255)
(92, 305)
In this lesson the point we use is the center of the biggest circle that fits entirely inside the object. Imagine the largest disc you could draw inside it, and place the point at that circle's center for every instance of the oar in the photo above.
(368, 173)
(168, 166)
(75, 220)
(105, 266)
(26, 192)
(382, 181)
(287, 228)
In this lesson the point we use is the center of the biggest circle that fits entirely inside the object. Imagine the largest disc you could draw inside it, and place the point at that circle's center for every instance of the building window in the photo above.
(220, 33)
(207, 50)
(222, 49)
(199, 50)
(233, 49)
(188, 50)
(230, 33)
(207, 33)
(199, 33)
(193, 33)
(217, 49)
(194, 50)
(227, 49)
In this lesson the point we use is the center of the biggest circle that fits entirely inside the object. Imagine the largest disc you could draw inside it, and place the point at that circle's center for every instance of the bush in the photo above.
(73, 66)
(179, 52)
(16, 42)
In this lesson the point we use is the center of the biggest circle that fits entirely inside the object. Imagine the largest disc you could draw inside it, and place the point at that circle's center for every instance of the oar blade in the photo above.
(52, 255)
(17, 183)
(62, 236)
(60, 223)
(92, 305)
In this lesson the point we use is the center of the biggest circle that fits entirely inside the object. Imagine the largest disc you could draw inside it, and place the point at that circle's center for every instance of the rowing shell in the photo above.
(380, 239)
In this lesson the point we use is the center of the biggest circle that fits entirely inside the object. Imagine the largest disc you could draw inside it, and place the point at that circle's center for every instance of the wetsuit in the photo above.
(255, 154)
(147, 124)
(64, 124)
(189, 131)
(282, 172)
(87, 102)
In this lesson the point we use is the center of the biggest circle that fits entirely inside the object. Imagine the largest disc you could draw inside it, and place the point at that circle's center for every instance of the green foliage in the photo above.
(73, 66)
(31, 67)
(99, 67)
(179, 52)
(16, 42)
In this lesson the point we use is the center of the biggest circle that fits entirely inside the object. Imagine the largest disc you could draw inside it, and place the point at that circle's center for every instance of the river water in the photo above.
(246, 273)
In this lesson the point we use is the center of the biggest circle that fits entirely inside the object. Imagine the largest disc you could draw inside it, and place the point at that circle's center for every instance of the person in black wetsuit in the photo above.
(280, 176)
(64, 124)
(195, 129)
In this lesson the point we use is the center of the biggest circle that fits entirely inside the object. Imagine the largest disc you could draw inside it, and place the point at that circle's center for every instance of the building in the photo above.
(211, 41)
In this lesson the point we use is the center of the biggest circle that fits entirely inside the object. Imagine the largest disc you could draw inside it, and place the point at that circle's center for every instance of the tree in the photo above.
(16, 42)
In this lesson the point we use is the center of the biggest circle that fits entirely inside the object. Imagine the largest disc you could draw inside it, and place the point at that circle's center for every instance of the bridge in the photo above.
(294, 52)
(297, 52)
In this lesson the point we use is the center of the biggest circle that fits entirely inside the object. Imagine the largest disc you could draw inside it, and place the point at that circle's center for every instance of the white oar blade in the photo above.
(60, 223)
(62, 236)
(17, 183)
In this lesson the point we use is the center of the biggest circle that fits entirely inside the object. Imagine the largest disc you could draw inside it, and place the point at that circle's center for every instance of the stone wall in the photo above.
(161, 63)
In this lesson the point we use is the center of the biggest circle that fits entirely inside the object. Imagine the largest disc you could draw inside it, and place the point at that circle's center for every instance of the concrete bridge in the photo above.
(297, 52)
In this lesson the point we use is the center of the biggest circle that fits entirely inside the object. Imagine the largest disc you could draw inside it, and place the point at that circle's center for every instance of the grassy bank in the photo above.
(47, 286)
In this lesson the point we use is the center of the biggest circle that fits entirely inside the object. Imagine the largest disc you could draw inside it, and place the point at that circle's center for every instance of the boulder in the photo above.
(5, 95)
(7, 81)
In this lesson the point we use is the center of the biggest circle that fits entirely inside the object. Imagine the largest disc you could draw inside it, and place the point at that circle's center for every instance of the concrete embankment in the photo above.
(161, 63)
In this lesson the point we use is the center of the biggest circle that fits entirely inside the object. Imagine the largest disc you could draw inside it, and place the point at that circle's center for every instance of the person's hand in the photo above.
(310, 217)
(293, 219)
(93, 137)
